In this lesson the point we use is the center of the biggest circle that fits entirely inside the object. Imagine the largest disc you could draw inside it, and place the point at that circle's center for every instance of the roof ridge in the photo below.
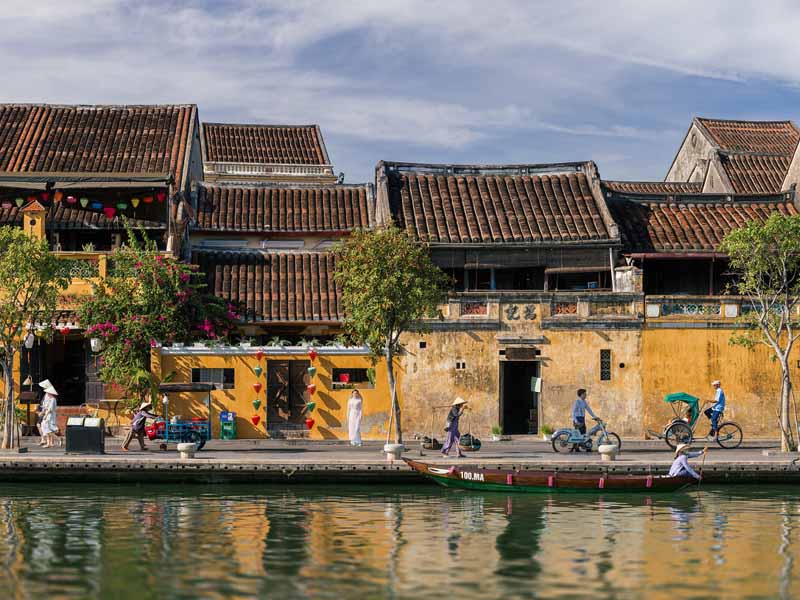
(299, 185)
(710, 119)
(303, 126)
(96, 106)
(554, 167)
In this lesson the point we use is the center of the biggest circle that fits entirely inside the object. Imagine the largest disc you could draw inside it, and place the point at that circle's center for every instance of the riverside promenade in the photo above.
(292, 462)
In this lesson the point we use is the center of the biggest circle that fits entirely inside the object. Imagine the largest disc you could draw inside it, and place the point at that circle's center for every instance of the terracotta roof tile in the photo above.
(654, 187)
(755, 173)
(262, 209)
(61, 217)
(95, 139)
(696, 223)
(264, 144)
(466, 204)
(274, 287)
(771, 137)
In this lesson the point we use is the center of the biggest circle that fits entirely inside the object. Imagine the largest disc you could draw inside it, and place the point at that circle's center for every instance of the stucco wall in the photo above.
(695, 147)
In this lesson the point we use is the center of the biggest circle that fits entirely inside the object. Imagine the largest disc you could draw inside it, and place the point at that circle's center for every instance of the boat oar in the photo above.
(702, 464)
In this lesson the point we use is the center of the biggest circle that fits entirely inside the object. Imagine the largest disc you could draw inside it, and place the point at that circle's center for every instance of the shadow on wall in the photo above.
(327, 434)
(329, 419)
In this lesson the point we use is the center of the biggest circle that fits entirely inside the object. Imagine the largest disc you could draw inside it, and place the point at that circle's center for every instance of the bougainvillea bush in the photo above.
(149, 299)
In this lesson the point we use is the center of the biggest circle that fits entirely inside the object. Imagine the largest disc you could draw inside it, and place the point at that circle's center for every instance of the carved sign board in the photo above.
(522, 353)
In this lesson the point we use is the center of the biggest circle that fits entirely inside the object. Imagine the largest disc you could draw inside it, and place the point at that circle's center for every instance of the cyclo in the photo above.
(564, 439)
(681, 428)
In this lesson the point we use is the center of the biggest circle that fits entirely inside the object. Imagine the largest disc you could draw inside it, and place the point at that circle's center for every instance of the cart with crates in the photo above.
(175, 430)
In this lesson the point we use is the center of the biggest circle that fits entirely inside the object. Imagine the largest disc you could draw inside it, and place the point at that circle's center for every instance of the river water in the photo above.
(380, 542)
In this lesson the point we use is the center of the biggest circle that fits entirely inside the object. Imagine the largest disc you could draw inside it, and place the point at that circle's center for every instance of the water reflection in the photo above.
(320, 542)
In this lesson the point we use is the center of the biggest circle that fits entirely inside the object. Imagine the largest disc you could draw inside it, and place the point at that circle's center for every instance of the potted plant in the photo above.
(497, 433)
(246, 342)
(547, 431)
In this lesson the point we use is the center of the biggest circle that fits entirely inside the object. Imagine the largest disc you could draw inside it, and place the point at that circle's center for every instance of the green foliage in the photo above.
(388, 284)
(496, 430)
(149, 298)
(546, 429)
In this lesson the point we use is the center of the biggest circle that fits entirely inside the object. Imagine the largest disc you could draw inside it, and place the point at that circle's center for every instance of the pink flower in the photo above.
(184, 277)
(153, 343)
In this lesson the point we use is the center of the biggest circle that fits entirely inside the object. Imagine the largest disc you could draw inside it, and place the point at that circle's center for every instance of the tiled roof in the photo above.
(61, 217)
(654, 187)
(274, 287)
(771, 137)
(264, 144)
(95, 139)
(276, 208)
(755, 173)
(503, 204)
(691, 223)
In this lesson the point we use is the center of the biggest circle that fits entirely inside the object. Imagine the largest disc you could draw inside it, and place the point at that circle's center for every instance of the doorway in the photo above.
(63, 361)
(286, 393)
(519, 405)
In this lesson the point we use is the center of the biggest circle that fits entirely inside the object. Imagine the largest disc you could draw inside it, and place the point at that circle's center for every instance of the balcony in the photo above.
(85, 269)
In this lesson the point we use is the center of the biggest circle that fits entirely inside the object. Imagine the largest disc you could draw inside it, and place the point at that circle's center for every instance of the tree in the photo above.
(147, 299)
(31, 278)
(765, 257)
(388, 284)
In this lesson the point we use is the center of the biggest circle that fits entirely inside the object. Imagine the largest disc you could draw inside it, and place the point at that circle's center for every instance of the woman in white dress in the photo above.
(354, 411)
(49, 425)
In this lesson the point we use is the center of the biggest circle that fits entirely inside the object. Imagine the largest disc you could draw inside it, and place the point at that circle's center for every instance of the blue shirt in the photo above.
(580, 408)
(719, 401)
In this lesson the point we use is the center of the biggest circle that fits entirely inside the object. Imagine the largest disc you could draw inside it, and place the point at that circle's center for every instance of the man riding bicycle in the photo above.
(717, 409)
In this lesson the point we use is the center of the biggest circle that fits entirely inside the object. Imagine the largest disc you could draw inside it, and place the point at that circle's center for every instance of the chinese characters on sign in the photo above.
(513, 312)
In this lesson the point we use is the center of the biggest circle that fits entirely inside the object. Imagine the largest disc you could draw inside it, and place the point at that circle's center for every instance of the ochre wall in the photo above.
(331, 411)
(687, 360)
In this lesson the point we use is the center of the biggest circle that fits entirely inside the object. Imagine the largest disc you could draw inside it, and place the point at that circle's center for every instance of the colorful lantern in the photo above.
(135, 202)
(161, 196)
(6, 205)
(312, 354)
(32, 198)
(19, 201)
(309, 423)
(45, 196)
(256, 403)
(259, 355)
(110, 211)
(310, 406)
(311, 372)
(84, 201)
(97, 205)
(58, 196)
(122, 205)
(147, 199)
(258, 371)
(344, 377)
(311, 389)
(71, 199)
(255, 419)
(257, 387)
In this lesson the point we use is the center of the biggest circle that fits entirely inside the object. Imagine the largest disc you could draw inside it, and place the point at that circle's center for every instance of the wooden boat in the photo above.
(509, 480)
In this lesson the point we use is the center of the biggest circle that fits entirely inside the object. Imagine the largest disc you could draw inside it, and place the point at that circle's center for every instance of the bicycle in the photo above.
(565, 439)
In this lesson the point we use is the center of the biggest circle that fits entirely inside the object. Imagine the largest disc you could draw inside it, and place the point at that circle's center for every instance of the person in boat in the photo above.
(717, 409)
(680, 466)
(579, 409)
(451, 427)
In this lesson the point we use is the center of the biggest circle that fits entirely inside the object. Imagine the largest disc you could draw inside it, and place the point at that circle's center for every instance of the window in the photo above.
(461, 365)
(223, 376)
(282, 244)
(605, 365)
(353, 378)
(223, 243)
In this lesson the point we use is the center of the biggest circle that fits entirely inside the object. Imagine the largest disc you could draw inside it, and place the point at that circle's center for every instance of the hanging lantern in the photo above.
(256, 403)
(312, 354)
(255, 419)
(259, 355)
(135, 202)
(19, 201)
(344, 377)
(309, 423)
(45, 196)
(84, 201)
(65, 330)
(97, 205)
(311, 372)
(110, 211)
(258, 371)
(58, 196)
(311, 389)
(161, 196)
(96, 345)
(147, 199)
(6, 205)
(122, 205)
(30, 339)
(32, 198)
(257, 387)
(310, 406)
(71, 199)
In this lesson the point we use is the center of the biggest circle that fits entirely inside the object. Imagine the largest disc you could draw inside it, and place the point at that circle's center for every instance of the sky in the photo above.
(424, 81)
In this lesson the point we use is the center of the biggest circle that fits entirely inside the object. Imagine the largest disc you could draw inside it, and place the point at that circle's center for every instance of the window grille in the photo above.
(605, 365)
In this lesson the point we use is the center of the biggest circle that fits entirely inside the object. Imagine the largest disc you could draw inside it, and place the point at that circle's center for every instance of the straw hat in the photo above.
(145, 405)
(458, 401)
(679, 449)
(48, 387)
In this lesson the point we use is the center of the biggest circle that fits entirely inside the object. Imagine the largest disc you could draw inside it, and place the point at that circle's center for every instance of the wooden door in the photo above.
(286, 393)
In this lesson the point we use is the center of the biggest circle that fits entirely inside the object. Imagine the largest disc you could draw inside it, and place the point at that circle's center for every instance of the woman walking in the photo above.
(354, 413)
(49, 424)
(137, 426)
(451, 427)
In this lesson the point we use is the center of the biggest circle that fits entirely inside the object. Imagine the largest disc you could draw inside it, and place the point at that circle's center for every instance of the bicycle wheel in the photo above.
(729, 435)
(611, 438)
(678, 433)
(561, 442)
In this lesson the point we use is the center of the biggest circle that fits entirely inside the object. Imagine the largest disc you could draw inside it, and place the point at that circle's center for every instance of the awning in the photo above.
(676, 255)
(557, 270)
(39, 180)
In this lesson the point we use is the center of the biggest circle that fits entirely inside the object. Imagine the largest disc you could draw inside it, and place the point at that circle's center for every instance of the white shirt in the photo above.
(580, 408)
(680, 465)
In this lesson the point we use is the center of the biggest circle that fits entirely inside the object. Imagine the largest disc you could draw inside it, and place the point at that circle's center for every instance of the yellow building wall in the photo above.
(330, 415)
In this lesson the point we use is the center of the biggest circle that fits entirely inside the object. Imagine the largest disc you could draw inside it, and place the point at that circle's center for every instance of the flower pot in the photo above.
(546, 437)
(496, 437)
